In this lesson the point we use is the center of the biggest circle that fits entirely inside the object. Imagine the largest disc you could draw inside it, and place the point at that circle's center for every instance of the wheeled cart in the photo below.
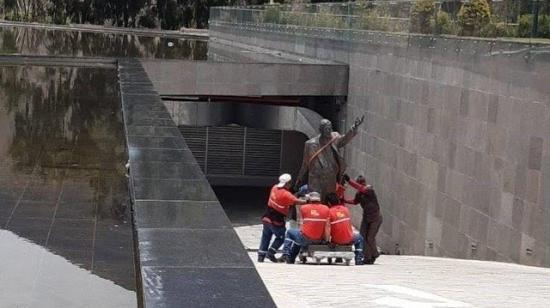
(320, 252)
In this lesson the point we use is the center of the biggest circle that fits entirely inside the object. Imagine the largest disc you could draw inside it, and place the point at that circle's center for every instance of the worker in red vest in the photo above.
(341, 190)
(341, 231)
(372, 217)
(315, 228)
(278, 205)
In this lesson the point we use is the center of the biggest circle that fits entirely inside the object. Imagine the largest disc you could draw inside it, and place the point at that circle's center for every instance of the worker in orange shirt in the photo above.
(315, 228)
(341, 231)
(278, 205)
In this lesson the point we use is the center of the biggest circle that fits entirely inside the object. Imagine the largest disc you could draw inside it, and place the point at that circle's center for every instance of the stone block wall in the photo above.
(456, 141)
(180, 77)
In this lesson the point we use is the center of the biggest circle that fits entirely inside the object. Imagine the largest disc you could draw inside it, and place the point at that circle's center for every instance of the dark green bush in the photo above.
(445, 25)
(327, 19)
(422, 14)
(525, 26)
(370, 20)
(473, 16)
(272, 14)
(292, 18)
(544, 26)
(497, 29)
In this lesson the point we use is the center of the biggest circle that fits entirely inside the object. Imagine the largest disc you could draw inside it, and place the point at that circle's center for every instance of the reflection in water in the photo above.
(34, 277)
(62, 176)
(32, 41)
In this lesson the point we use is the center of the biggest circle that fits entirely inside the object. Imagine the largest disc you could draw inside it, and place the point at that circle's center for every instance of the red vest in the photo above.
(314, 218)
(341, 231)
(340, 191)
(281, 200)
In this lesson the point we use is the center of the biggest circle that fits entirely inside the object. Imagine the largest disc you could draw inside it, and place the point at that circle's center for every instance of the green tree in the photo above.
(473, 16)
(422, 16)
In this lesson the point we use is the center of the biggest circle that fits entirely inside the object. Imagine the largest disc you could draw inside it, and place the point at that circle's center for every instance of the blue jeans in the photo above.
(294, 241)
(358, 243)
(267, 233)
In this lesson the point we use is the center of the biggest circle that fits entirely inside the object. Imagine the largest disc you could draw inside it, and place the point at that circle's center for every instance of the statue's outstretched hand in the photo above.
(358, 122)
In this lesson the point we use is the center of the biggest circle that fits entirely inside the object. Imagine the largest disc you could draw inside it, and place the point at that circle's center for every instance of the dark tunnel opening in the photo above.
(243, 205)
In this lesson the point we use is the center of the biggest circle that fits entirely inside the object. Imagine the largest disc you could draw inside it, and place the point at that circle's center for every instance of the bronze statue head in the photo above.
(325, 128)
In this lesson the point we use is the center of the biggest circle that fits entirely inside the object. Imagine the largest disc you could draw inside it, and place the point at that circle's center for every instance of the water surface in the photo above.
(64, 212)
(34, 41)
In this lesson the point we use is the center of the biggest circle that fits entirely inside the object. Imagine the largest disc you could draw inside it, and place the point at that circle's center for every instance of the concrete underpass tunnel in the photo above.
(242, 147)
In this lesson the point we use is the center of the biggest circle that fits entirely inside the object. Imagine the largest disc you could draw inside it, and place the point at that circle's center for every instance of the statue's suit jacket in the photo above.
(322, 176)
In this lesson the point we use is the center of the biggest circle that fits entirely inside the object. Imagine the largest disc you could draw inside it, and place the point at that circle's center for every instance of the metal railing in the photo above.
(478, 18)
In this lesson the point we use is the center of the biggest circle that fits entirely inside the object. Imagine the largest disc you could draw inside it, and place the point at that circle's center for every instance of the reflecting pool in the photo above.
(65, 228)
(34, 41)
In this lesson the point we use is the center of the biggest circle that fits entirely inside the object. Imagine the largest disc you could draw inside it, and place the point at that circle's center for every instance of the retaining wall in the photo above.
(457, 136)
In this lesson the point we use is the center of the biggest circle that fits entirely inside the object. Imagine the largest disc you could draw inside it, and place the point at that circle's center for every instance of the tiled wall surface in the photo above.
(179, 77)
(456, 141)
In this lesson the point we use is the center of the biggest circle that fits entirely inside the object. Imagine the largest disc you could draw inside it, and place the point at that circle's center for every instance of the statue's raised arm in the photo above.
(351, 133)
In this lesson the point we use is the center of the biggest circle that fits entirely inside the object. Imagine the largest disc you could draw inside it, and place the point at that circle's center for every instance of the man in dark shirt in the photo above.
(372, 218)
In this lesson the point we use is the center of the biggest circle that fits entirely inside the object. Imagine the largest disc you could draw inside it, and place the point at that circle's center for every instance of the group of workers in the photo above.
(323, 220)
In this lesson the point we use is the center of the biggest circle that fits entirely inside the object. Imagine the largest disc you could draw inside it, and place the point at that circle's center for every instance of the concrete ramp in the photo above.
(176, 77)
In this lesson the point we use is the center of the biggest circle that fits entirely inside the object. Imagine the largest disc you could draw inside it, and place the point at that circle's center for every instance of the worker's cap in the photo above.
(314, 196)
(303, 190)
(283, 179)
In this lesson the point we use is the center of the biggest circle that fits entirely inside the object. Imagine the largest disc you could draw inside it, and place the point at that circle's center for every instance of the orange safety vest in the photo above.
(314, 218)
(281, 200)
(341, 231)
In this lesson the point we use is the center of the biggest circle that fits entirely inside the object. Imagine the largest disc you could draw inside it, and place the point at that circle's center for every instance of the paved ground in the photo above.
(402, 281)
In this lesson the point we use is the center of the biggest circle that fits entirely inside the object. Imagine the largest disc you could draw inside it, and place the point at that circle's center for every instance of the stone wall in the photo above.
(179, 77)
(456, 141)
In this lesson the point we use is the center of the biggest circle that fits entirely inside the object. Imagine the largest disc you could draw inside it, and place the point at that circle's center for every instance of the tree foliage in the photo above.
(165, 14)
(473, 16)
(422, 14)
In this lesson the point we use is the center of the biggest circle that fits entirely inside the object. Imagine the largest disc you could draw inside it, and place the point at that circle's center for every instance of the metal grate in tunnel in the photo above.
(196, 138)
(235, 150)
(263, 152)
(225, 150)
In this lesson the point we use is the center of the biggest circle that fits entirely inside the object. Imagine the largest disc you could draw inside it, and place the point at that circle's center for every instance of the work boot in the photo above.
(261, 258)
(285, 259)
(271, 255)
(369, 261)
(359, 262)
(272, 258)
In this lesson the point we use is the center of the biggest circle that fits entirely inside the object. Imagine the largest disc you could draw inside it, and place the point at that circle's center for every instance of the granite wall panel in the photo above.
(178, 77)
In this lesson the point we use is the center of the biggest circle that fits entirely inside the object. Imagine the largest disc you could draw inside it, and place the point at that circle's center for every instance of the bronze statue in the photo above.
(322, 159)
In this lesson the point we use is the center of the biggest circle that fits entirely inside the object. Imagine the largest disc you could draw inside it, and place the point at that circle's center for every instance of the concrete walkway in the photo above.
(402, 281)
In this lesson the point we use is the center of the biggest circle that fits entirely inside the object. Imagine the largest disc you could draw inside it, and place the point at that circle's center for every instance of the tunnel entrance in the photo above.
(243, 205)
(235, 155)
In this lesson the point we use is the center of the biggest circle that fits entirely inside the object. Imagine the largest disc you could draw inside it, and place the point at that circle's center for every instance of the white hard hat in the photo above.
(313, 196)
(283, 179)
